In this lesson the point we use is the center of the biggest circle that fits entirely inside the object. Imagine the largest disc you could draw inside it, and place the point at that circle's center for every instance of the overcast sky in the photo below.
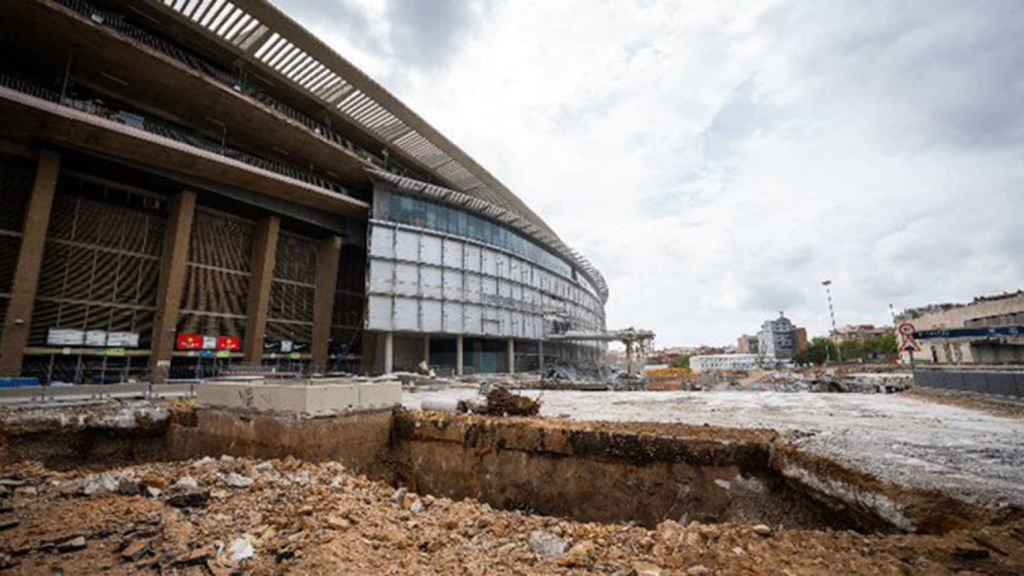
(718, 160)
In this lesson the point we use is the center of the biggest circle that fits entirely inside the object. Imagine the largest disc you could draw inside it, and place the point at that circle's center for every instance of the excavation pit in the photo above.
(641, 474)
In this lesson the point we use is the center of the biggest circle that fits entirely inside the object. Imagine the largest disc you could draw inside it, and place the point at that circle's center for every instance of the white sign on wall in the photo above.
(64, 337)
(123, 339)
(96, 338)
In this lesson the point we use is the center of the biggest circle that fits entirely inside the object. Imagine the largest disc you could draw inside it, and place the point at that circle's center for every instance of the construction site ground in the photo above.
(909, 439)
(233, 515)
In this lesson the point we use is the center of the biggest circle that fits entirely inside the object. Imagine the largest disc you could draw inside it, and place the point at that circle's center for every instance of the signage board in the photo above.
(209, 342)
(287, 346)
(229, 343)
(190, 342)
(64, 337)
(123, 339)
(96, 338)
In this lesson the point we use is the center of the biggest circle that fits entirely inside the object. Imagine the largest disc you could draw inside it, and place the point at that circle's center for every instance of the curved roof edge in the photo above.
(260, 33)
(460, 200)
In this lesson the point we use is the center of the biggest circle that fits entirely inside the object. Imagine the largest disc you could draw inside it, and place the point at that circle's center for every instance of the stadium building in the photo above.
(189, 185)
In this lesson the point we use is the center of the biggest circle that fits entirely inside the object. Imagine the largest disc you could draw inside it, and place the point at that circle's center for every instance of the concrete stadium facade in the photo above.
(190, 185)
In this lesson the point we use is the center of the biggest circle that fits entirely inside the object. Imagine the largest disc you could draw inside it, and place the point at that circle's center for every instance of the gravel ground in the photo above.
(910, 441)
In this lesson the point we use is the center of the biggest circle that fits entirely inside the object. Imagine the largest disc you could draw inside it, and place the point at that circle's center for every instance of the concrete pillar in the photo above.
(327, 261)
(511, 356)
(389, 352)
(540, 356)
(173, 262)
(459, 343)
(16, 325)
(264, 256)
(426, 349)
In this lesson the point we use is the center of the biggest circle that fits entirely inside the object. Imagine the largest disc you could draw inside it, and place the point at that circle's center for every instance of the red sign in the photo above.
(229, 343)
(190, 342)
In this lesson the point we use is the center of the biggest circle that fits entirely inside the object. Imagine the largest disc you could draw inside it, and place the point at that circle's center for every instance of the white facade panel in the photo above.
(501, 264)
(489, 260)
(430, 250)
(452, 322)
(430, 313)
(453, 254)
(453, 284)
(489, 287)
(406, 279)
(504, 289)
(505, 322)
(407, 314)
(407, 245)
(378, 314)
(382, 242)
(430, 282)
(473, 319)
(517, 325)
(472, 258)
(473, 290)
(382, 276)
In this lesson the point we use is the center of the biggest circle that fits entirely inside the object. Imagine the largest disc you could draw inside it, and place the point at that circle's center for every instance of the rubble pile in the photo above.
(227, 515)
(835, 381)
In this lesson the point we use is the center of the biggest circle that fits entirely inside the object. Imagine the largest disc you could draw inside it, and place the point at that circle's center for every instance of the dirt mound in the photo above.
(501, 402)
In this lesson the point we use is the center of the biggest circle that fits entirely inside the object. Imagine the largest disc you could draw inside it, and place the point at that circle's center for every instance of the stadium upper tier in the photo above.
(275, 46)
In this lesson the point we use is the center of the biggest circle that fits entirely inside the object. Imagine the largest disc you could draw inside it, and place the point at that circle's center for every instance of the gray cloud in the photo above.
(427, 34)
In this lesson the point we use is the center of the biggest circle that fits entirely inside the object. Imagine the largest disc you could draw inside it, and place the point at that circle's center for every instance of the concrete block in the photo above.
(380, 395)
(309, 397)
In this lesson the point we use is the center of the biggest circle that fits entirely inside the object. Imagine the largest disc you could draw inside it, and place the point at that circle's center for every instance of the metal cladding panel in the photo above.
(505, 323)
(474, 290)
(430, 312)
(406, 279)
(430, 250)
(491, 323)
(452, 318)
(407, 314)
(453, 254)
(430, 282)
(515, 270)
(382, 276)
(407, 245)
(453, 285)
(473, 258)
(489, 287)
(379, 313)
(489, 262)
(504, 289)
(501, 265)
(474, 319)
(517, 293)
(517, 325)
(382, 242)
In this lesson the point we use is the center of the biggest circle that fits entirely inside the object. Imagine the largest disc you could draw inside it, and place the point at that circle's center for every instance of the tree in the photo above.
(681, 362)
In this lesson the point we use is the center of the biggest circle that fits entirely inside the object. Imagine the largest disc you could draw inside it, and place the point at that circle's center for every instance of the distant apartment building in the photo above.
(988, 330)
(747, 344)
(859, 333)
(801, 340)
(777, 338)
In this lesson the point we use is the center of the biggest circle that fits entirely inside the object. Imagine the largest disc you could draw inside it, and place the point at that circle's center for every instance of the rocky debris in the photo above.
(500, 402)
(186, 483)
(73, 544)
(100, 485)
(305, 518)
(762, 530)
(8, 523)
(235, 480)
(189, 499)
(546, 545)
(241, 549)
(135, 550)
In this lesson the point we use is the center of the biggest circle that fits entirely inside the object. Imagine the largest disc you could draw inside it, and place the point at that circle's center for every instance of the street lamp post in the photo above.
(831, 312)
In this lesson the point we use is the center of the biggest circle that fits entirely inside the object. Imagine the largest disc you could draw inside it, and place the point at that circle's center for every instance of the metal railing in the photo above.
(167, 130)
(224, 77)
